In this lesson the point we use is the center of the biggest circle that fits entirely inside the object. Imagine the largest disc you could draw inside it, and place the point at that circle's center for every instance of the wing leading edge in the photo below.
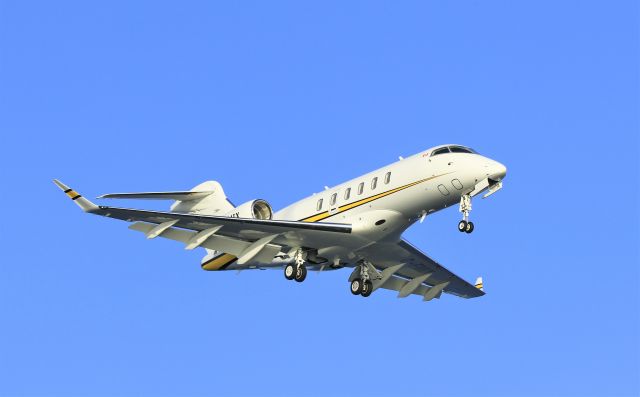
(290, 232)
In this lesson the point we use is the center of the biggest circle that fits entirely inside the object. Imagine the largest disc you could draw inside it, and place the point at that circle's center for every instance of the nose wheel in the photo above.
(465, 225)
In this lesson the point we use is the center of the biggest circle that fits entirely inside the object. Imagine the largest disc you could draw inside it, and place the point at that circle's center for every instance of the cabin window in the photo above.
(319, 206)
(374, 183)
(440, 151)
(333, 198)
(347, 193)
(361, 188)
(387, 178)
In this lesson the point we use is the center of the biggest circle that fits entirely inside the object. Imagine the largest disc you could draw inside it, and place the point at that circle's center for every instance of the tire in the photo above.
(367, 288)
(462, 226)
(301, 273)
(469, 227)
(289, 272)
(356, 286)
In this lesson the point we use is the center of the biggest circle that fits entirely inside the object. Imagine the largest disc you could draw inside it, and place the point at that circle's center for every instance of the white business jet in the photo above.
(357, 224)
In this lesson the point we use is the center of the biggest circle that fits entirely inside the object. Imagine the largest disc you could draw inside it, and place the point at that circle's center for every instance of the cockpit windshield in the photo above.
(453, 149)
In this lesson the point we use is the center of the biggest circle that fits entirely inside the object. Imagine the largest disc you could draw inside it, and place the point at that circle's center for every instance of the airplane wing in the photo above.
(408, 270)
(231, 234)
(231, 226)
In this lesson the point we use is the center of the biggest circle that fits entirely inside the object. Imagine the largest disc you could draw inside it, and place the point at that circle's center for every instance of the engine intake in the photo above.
(254, 209)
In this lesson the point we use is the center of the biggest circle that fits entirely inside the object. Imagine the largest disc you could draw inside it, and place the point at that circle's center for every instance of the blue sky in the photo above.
(276, 100)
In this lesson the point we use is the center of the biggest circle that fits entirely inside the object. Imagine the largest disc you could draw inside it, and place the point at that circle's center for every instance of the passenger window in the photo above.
(374, 183)
(319, 206)
(440, 151)
(361, 188)
(387, 178)
(347, 193)
(333, 198)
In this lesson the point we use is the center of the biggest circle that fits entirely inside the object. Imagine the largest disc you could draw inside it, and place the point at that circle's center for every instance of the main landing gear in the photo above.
(465, 225)
(362, 285)
(296, 270)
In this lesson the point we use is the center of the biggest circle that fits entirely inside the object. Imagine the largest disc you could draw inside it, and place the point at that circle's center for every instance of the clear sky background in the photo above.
(276, 100)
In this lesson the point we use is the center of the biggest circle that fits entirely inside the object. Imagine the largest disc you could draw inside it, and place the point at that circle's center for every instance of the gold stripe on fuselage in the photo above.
(346, 207)
(225, 260)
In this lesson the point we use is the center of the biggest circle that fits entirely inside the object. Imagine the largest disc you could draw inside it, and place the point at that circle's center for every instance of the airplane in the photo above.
(357, 224)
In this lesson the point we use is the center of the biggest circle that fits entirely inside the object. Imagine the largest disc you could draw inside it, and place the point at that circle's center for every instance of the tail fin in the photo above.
(83, 203)
(207, 198)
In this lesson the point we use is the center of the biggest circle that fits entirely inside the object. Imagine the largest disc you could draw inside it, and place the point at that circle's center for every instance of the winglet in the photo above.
(479, 284)
(83, 203)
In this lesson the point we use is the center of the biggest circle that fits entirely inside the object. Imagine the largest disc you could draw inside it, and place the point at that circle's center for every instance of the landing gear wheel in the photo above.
(356, 286)
(301, 273)
(469, 227)
(367, 288)
(289, 272)
(462, 226)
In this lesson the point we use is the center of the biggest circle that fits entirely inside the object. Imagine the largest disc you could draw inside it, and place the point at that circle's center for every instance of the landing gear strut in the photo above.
(465, 225)
(297, 270)
(362, 285)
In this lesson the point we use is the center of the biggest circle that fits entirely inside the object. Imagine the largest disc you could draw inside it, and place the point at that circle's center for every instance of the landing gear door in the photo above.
(488, 185)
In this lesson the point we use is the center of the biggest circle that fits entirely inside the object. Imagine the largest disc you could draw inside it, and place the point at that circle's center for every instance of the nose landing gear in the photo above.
(465, 225)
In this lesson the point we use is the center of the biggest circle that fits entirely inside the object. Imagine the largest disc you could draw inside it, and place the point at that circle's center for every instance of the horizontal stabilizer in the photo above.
(178, 196)
(207, 198)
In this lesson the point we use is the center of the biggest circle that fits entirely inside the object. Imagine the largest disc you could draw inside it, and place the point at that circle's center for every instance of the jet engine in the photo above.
(254, 209)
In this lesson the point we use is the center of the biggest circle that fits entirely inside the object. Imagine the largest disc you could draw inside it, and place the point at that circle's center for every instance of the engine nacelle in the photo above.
(254, 209)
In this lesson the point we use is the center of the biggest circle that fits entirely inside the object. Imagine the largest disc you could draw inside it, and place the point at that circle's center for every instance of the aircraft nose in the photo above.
(498, 171)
